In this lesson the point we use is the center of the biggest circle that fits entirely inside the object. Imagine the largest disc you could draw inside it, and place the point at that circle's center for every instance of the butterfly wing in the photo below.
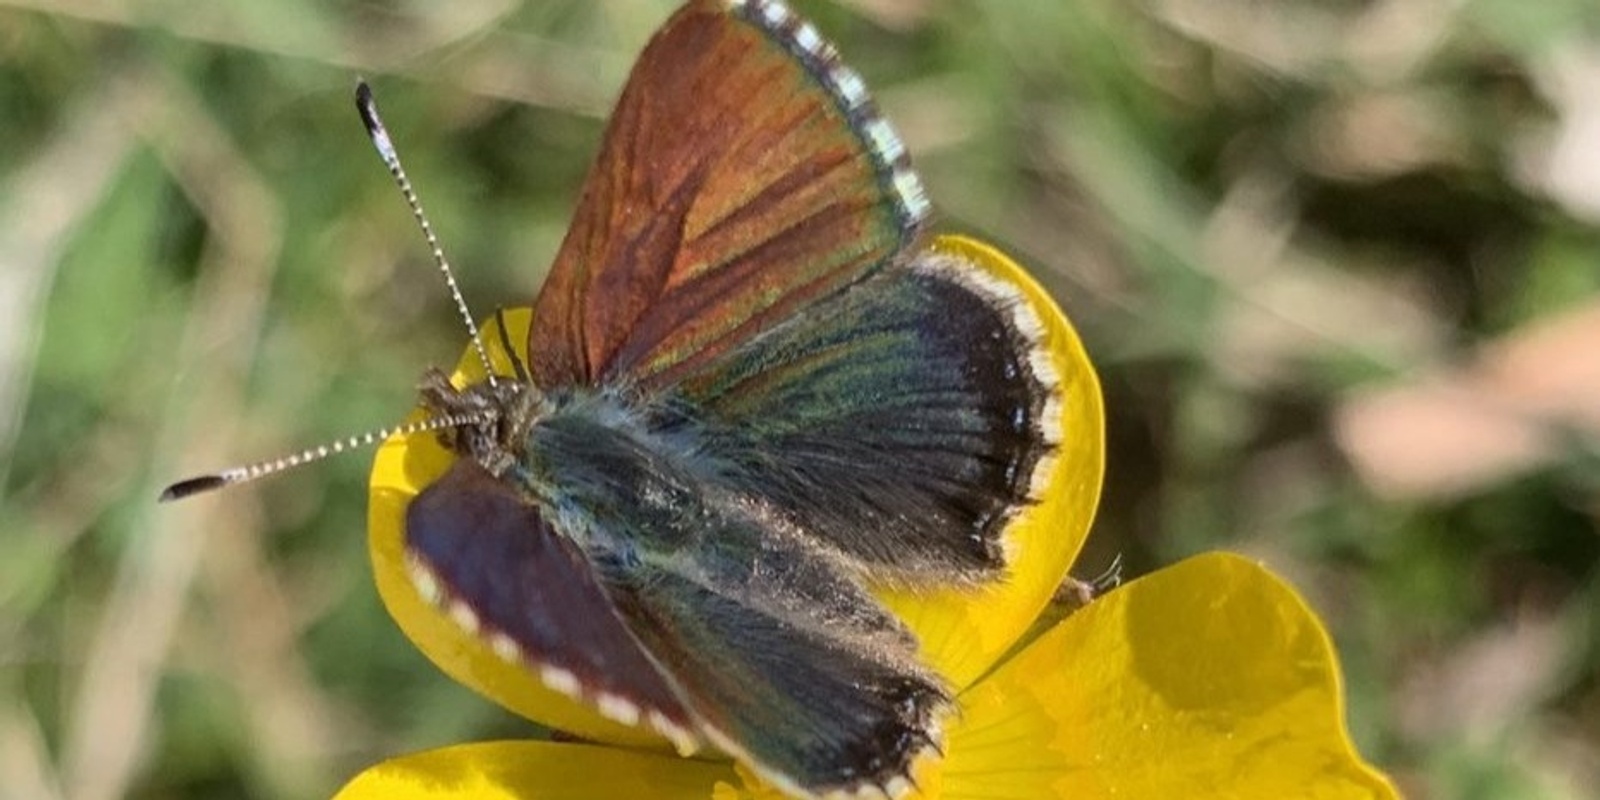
(744, 173)
(827, 707)
(903, 421)
(478, 549)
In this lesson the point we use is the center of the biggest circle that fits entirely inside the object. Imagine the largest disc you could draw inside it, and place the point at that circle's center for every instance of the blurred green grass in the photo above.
(1259, 214)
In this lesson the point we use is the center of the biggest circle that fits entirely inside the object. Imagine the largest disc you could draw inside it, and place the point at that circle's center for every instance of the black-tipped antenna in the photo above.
(261, 469)
(368, 108)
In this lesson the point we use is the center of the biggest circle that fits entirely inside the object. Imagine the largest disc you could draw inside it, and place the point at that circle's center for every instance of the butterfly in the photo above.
(753, 392)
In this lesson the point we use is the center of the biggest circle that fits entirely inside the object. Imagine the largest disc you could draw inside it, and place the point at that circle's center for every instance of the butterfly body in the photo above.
(752, 395)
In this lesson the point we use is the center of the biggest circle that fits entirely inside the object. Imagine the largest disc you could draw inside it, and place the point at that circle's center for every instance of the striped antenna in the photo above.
(236, 475)
(368, 107)
(261, 469)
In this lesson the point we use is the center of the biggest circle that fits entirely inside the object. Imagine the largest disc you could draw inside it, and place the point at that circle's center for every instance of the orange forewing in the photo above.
(733, 186)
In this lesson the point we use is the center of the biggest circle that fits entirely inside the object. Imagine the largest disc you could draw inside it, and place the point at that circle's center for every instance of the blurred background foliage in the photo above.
(1338, 262)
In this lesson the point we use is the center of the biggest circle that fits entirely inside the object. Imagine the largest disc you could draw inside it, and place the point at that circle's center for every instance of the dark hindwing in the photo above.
(744, 172)
(810, 707)
(902, 421)
(487, 552)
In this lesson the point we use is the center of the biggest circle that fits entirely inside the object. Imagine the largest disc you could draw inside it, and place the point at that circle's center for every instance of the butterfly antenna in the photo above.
(261, 469)
(368, 108)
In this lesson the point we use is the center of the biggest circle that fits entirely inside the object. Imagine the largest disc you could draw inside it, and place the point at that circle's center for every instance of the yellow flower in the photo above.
(1207, 679)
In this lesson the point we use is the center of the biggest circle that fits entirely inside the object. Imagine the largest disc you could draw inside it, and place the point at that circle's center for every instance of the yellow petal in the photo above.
(963, 632)
(539, 771)
(1210, 679)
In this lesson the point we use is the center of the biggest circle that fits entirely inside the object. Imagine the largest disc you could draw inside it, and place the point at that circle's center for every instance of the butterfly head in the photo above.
(502, 411)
